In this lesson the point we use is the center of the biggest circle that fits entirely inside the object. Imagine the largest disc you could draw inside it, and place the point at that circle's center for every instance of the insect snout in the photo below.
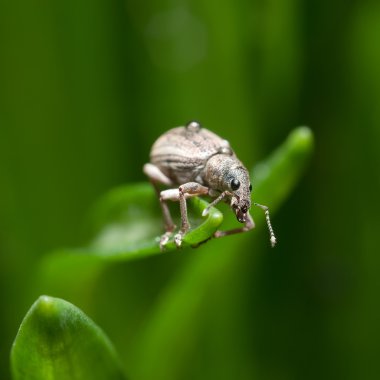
(241, 210)
(241, 216)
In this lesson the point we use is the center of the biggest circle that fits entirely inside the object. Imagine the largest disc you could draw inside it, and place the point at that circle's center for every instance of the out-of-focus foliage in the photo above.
(86, 87)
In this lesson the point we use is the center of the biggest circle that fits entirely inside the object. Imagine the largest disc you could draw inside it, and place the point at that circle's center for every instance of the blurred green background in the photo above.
(86, 87)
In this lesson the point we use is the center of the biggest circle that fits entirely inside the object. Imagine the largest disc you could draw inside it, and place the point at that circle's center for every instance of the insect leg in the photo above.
(249, 225)
(187, 190)
(215, 201)
(156, 176)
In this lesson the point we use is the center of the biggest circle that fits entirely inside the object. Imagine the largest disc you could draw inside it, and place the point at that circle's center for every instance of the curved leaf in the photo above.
(128, 221)
(57, 341)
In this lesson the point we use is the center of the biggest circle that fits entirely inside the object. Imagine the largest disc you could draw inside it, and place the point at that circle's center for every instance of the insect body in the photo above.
(199, 162)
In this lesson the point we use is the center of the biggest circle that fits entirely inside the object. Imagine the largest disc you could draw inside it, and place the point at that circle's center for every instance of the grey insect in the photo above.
(198, 162)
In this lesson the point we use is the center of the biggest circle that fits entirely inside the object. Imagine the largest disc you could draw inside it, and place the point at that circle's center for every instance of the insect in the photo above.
(198, 162)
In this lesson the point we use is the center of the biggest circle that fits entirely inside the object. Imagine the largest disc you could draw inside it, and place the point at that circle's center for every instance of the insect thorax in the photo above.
(219, 171)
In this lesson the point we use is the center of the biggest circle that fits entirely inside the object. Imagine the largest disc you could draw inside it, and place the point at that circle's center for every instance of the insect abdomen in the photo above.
(182, 155)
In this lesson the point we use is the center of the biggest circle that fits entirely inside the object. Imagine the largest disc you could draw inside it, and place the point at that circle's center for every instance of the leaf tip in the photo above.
(45, 305)
(47, 311)
(302, 139)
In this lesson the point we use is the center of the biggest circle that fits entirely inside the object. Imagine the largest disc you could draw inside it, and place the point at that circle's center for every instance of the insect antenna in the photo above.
(273, 239)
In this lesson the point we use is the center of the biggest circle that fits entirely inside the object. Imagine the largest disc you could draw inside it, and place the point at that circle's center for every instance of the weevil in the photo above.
(198, 162)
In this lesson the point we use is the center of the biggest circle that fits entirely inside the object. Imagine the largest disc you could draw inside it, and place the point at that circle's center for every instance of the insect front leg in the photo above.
(249, 225)
(187, 190)
(218, 199)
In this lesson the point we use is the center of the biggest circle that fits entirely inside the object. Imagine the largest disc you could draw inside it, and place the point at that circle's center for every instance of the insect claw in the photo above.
(218, 234)
(178, 239)
(164, 240)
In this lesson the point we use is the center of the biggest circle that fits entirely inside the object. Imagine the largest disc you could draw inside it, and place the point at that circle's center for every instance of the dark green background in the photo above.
(86, 87)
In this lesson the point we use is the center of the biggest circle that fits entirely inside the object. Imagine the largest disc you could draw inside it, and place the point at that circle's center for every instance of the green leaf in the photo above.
(129, 226)
(57, 341)
(128, 222)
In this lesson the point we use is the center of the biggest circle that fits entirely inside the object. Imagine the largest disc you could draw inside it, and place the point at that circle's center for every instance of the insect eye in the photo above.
(250, 187)
(235, 184)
